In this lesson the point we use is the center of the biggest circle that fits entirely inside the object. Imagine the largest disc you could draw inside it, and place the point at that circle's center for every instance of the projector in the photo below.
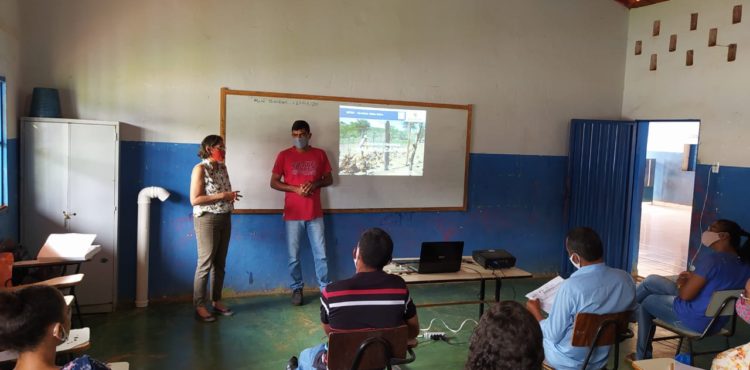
(494, 258)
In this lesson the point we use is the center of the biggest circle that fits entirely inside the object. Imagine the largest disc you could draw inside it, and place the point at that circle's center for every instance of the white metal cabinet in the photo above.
(70, 167)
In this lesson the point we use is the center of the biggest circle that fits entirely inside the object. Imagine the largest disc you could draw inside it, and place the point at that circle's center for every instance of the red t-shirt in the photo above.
(298, 168)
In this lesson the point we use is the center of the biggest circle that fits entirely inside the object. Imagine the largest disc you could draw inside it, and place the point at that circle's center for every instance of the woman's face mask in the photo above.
(743, 308)
(218, 154)
(709, 237)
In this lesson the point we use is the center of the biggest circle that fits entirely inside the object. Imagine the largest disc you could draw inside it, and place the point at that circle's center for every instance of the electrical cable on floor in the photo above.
(446, 325)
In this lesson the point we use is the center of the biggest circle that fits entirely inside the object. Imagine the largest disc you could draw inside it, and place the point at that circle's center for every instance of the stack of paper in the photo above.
(546, 293)
(69, 246)
(76, 338)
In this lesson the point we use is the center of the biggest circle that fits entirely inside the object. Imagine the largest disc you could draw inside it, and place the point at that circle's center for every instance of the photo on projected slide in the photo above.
(381, 142)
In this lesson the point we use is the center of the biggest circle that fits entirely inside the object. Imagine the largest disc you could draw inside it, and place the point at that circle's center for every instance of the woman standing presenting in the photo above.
(213, 201)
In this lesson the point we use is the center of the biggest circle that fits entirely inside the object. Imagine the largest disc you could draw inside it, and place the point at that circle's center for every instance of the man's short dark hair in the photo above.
(375, 248)
(300, 125)
(585, 242)
(508, 337)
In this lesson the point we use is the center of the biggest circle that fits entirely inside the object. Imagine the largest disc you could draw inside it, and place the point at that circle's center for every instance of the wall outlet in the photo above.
(715, 167)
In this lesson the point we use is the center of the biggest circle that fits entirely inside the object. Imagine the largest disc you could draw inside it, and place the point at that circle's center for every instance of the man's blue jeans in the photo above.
(307, 357)
(655, 297)
(316, 235)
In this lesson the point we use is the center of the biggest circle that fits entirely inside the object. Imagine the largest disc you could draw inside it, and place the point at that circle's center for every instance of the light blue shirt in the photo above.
(593, 289)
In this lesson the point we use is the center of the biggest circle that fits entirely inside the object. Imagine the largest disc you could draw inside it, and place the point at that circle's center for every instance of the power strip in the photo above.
(434, 335)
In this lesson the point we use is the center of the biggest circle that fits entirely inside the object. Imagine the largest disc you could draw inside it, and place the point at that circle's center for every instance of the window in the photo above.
(3, 145)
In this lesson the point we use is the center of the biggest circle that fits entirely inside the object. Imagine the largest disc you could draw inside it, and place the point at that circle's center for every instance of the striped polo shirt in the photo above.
(368, 300)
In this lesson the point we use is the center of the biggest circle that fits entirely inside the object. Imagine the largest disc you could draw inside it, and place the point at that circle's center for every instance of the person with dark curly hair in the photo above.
(508, 337)
(33, 322)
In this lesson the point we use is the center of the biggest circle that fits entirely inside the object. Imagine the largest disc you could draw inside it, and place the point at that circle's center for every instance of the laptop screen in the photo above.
(438, 257)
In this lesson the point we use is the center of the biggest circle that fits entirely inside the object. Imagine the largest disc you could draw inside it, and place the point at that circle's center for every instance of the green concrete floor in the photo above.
(267, 330)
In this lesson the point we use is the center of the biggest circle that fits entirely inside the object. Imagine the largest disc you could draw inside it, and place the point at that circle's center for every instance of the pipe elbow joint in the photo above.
(150, 192)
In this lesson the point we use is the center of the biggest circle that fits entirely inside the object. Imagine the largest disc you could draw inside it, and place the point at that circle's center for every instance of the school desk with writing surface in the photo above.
(470, 271)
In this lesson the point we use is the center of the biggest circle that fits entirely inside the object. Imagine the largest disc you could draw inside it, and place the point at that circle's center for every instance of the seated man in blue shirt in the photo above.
(594, 288)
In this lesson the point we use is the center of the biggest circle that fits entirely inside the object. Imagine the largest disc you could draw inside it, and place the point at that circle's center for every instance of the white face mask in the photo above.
(356, 257)
(709, 237)
(576, 265)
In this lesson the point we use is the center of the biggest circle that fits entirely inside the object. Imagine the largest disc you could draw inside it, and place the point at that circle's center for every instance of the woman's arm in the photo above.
(693, 285)
(198, 190)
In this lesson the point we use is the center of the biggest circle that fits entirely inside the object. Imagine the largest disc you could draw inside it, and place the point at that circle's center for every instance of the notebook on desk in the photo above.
(437, 257)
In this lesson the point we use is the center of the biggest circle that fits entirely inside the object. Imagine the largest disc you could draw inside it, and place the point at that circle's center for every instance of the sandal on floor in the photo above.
(209, 318)
(223, 311)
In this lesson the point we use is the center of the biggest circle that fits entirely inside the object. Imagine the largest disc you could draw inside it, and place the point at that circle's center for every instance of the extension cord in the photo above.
(434, 335)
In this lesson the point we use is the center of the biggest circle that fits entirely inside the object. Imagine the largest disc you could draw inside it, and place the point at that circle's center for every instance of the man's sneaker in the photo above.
(292, 364)
(297, 297)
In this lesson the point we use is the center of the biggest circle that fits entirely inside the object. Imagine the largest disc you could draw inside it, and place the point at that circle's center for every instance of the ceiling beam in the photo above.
(630, 4)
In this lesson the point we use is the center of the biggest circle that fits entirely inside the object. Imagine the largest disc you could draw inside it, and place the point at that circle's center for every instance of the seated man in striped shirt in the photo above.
(371, 299)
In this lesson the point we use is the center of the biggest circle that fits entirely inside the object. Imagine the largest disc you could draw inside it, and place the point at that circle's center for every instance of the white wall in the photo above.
(528, 66)
(9, 59)
(712, 90)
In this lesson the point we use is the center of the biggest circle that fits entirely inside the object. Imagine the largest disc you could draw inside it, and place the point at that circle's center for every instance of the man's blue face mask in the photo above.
(300, 142)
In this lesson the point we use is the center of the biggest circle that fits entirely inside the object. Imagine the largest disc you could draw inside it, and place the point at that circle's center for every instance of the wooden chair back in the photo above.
(587, 324)
(343, 347)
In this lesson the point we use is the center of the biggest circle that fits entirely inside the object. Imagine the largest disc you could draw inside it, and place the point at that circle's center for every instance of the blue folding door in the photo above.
(599, 188)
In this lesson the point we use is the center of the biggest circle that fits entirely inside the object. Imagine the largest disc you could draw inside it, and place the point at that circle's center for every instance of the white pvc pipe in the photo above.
(144, 202)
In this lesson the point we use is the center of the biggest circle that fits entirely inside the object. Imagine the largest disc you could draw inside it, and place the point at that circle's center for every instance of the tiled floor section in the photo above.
(665, 231)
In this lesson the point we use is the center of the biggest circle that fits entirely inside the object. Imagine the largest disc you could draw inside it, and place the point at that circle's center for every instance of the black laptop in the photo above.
(436, 257)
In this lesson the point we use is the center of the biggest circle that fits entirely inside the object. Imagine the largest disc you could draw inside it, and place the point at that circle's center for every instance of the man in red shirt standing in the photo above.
(300, 172)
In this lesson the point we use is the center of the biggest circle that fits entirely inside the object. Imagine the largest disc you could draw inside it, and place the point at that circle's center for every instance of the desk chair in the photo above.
(592, 330)
(87, 251)
(68, 349)
(354, 349)
(68, 282)
(721, 305)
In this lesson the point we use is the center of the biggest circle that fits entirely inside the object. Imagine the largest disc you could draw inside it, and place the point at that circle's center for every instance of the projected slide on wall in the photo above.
(381, 142)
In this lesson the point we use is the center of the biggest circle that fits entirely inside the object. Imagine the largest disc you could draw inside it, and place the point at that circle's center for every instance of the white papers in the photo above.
(73, 246)
(76, 338)
(680, 366)
(546, 293)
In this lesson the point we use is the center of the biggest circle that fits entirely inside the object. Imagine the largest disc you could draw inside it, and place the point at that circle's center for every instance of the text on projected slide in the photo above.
(381, 141)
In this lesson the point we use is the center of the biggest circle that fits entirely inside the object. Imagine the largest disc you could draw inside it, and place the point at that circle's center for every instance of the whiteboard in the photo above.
(257, 125)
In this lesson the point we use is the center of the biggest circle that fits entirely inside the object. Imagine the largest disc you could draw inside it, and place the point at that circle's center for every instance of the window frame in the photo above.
(3, 143)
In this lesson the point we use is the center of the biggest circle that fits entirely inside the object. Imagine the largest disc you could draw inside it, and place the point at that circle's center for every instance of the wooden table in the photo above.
(470, 271)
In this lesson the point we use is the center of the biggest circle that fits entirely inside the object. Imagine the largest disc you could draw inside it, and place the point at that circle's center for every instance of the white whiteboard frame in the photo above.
(225, 91)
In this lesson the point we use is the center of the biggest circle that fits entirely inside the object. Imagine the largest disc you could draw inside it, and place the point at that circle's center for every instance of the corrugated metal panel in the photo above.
(599, 187)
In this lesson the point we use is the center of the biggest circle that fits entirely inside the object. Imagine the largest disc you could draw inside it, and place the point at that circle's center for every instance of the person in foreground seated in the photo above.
(33, 322)
(508, 337)
(737, 357)
(594, 288)
(371, 299)
(684, 303)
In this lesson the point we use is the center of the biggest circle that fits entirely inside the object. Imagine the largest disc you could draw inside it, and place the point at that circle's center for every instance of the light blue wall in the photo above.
(515, 202)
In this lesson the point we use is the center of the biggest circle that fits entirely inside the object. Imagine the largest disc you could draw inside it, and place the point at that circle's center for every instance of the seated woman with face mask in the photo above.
(725, 266)
(33, 322)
